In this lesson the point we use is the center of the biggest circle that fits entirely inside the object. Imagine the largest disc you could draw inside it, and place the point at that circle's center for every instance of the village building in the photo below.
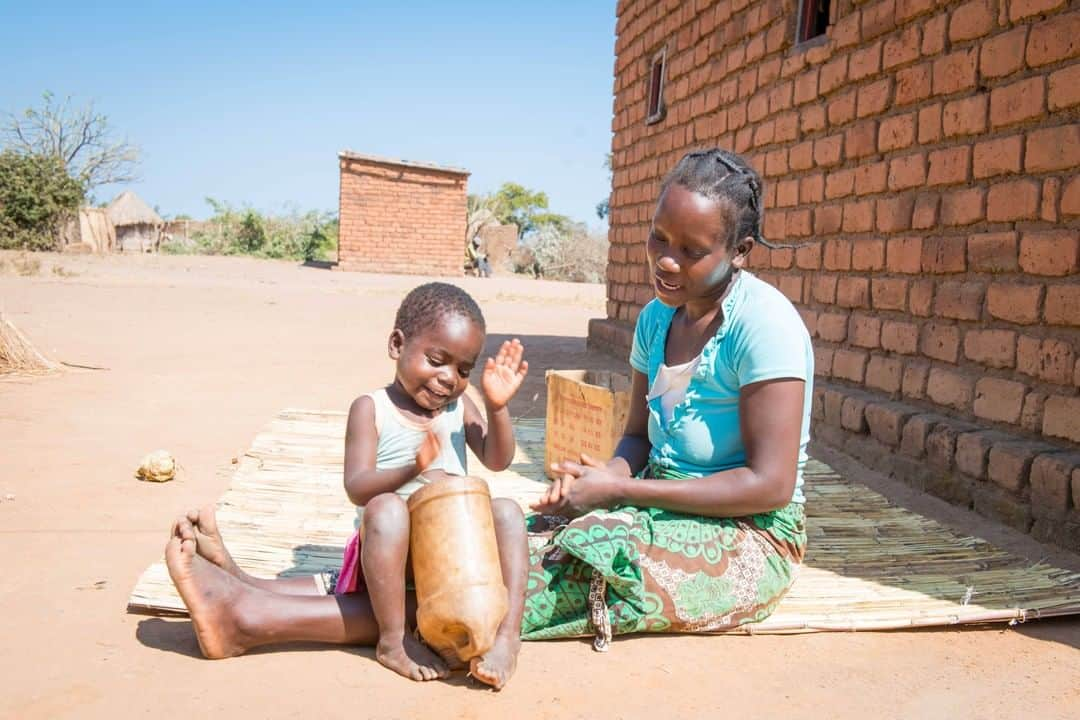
(400, 216)
(90, 231)
(921, 165)
(138, 226)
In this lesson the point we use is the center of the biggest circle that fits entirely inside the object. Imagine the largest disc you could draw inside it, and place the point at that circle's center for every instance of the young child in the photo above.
(403, 435)
(397, 438)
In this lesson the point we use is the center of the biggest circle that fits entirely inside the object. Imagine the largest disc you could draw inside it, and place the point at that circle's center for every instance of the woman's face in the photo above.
(689, 256)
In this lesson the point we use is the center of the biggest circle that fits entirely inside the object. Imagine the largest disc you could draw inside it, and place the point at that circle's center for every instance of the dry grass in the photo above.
(25, 264)
(18, 355)
(61, 271)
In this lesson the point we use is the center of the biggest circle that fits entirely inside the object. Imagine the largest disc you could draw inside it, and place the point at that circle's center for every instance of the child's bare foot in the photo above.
(211, 596)
(411, 658)
(498, 664)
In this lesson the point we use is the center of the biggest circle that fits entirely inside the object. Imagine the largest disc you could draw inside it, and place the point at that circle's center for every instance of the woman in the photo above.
(697, 523)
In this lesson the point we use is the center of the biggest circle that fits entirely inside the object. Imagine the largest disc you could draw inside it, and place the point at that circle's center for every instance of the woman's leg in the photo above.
(384, 553)
(201, 526)
(498, 664)
(232, 617)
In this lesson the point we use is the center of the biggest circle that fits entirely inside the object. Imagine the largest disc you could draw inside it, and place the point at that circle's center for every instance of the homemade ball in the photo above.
(158, 466)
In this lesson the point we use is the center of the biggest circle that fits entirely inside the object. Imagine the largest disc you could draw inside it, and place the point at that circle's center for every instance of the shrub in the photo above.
(293, 236)
(36, 198)
(572, 254)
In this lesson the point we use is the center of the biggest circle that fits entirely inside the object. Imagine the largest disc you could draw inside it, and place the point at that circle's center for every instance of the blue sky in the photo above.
(251, 106)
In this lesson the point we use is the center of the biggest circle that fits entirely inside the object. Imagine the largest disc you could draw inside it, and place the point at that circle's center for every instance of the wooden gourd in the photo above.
(460, 595)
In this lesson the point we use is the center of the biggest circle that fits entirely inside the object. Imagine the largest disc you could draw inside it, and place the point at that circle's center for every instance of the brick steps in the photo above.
(1030, 485)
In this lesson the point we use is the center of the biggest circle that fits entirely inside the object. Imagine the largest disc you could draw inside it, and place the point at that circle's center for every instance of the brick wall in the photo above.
(926, 154)
(401, 217)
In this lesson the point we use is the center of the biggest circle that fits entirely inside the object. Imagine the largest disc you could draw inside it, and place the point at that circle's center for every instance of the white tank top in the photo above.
(400, 437)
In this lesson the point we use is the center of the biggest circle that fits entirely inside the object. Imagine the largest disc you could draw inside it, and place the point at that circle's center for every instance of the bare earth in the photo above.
(200, 353)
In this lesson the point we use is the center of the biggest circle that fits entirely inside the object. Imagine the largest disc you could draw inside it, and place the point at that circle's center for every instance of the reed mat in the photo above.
(870, 564)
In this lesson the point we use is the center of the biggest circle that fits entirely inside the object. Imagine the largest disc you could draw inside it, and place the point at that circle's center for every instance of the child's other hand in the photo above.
(427, 452)
(503, 374)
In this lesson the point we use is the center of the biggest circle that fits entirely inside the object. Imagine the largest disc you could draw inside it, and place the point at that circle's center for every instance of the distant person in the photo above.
(478, 260)
(397, 438)
(484, 266)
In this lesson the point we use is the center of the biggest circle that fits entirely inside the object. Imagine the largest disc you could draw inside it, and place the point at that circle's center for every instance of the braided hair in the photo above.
(428, 304)
(724, 176)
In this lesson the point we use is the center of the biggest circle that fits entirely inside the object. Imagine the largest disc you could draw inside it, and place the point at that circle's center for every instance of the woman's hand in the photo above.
(580, 487)
(503, 374)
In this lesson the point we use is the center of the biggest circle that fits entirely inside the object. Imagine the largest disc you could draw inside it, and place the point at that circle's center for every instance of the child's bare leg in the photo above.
(384, 552)
(232, 617)
(498, 664)
(201, 526)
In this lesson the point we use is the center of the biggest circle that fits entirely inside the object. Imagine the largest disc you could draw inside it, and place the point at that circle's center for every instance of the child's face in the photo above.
(433, 365)
(689, 257)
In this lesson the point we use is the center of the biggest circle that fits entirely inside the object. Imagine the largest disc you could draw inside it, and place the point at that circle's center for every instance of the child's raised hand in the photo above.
(427, 452)
(504, 373)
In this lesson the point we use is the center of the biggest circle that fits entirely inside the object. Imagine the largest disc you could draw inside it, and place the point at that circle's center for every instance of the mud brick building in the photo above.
(926, 153)
(401, 217)
(500, 242)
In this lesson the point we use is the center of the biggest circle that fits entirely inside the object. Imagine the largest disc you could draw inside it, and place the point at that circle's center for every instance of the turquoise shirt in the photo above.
(762, 337)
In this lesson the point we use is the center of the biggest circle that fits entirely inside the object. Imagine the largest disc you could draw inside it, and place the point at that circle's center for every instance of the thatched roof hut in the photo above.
(138, 227)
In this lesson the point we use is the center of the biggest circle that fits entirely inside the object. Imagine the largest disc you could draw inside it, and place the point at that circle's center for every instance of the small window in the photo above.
(813, 19)
(656, 88)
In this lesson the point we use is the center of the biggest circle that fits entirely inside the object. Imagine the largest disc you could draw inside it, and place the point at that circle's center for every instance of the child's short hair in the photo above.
(428, 304)
(721, 175)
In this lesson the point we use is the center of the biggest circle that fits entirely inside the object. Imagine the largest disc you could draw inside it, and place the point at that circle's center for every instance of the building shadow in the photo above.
(549, 352)
(309, 559)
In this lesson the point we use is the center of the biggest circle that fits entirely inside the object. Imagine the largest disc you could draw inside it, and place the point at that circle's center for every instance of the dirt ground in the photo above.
(199, 354)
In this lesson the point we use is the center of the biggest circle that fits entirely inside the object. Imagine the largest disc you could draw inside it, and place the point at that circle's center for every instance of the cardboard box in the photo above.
(586, 412)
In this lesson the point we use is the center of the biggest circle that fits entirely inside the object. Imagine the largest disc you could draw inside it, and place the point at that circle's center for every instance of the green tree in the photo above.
(36, 197)
(514, 203)
(603, 208)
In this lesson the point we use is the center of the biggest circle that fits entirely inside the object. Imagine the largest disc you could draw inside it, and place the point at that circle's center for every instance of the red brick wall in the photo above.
(927, 154)
(399, 217)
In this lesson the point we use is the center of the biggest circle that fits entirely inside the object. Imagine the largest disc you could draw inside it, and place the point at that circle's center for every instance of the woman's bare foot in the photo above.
(411, 658)
(498, 664)
(211, 596)
(209, 543)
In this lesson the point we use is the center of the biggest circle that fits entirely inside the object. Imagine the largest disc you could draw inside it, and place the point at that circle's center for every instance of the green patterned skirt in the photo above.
(629, 570)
